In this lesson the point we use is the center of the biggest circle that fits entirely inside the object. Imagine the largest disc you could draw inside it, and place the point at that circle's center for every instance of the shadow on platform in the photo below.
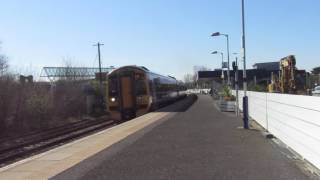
(181, 105)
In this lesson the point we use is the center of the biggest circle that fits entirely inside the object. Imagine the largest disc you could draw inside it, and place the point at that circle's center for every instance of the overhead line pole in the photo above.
(100, 72)
(100, 75)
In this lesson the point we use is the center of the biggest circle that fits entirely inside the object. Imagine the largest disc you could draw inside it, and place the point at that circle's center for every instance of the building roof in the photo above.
(267, 66)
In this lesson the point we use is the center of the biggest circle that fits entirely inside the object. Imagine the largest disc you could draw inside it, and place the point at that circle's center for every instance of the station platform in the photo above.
(195, 143)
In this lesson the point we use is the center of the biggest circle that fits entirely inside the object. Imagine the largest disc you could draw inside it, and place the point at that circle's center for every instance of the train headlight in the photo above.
(113, 99)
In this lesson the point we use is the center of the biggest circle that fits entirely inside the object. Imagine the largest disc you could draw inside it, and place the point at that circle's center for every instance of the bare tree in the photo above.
(195, 77)
(71, 71)
(3, 64)
(188, 78)
(69, 74)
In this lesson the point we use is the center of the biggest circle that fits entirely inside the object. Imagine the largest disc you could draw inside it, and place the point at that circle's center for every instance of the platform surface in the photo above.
(55, 161)
(200, 143)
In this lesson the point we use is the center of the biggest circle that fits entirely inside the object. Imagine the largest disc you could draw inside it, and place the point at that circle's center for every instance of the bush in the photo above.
(34, 106)
(8, 91)
(38, 107)
(226, 91)
(258, 88)
(227, 95)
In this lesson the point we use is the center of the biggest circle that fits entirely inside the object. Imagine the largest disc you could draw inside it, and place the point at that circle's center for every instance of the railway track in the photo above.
(13, 149)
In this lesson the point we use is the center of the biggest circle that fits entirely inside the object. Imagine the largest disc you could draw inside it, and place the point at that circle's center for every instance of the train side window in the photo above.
(151, 86)
(140, 84)
(140, 87)
(157, 84)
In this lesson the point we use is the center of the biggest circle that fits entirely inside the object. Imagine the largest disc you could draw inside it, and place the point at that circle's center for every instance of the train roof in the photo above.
(142, 68)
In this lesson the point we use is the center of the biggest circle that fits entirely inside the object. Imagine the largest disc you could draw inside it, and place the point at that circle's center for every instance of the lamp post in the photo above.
(227, 36)
(222, 74)
(243, 50)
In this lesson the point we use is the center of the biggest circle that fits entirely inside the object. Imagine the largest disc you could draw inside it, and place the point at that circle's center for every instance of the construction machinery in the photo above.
(273, 87)
(288, 75)
(286, 82)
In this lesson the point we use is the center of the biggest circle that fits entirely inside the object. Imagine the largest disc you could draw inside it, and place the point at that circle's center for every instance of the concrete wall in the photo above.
(294, 119)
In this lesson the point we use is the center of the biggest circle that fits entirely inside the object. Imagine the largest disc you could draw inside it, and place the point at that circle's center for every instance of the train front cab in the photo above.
(128, 94)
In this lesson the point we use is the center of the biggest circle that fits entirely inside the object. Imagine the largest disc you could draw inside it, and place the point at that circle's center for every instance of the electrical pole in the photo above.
(100, 75)
(100, 72)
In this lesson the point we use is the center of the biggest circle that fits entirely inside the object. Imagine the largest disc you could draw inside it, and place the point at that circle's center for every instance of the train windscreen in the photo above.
(113, 87)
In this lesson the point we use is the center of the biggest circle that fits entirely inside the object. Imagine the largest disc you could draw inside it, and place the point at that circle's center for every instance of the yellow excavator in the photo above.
(286, 82)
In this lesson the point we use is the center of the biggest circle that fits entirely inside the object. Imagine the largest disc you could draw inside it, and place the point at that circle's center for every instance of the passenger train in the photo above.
(134, 90)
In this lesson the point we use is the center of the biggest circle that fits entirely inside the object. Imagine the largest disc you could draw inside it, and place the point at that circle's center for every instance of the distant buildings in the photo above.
(260, 74)
(269, 66)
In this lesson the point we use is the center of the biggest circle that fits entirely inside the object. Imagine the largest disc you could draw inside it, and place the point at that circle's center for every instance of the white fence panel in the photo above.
(258, 107)
(240, 98)
(294, 119)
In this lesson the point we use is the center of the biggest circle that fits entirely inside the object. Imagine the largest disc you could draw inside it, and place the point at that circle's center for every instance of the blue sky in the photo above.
(167, 36)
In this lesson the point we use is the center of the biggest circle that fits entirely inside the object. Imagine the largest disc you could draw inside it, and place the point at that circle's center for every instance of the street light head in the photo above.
(214, 52)
(215, 34)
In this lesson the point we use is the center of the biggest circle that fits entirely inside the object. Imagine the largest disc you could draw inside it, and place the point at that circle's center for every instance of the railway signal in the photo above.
(236, 82)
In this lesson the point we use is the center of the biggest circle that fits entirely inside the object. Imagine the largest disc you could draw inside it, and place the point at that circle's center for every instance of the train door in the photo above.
(126, 91)
(127, 94)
